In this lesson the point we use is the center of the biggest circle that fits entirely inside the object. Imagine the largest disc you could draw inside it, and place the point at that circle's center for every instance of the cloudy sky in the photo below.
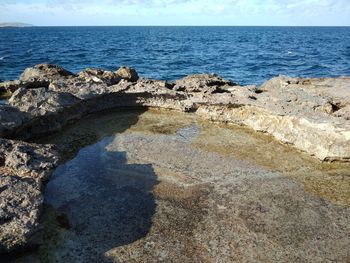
(176, 12)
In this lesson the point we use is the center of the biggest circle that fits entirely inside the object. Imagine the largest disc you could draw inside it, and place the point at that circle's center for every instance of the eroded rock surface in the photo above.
(310, 114)
(23, 169)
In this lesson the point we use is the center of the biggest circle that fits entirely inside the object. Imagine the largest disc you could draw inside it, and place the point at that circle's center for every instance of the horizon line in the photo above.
(30, 25)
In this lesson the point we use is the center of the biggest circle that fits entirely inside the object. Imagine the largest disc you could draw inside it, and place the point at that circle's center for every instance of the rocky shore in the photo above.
(311, 115)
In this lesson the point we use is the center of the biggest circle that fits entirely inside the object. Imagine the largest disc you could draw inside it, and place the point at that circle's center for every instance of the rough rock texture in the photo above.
(310, 114)
(301, 112)
(127, 73)
(8, 87)
(44, 73)
(23, 168)
(206, 83)
(11, 118)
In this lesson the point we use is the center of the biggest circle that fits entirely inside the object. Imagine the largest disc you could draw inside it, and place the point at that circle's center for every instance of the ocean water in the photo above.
(247, 55)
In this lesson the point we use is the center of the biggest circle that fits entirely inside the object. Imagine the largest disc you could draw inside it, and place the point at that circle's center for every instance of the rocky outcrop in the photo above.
(206, 83)
(127, 73)
(44, 73)
(23, 169)
(310, 114)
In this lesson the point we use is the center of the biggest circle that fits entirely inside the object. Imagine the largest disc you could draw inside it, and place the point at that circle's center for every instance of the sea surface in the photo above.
(247, 55)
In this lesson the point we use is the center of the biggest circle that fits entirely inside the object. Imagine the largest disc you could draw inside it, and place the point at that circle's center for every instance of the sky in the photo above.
(177, 12)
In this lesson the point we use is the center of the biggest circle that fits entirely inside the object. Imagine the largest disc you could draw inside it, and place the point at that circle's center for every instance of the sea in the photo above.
(246, 55)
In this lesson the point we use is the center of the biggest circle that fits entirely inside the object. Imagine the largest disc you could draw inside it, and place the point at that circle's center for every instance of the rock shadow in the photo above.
(106, 203)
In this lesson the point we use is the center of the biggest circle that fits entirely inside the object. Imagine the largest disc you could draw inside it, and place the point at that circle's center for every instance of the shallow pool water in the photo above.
(165, 186)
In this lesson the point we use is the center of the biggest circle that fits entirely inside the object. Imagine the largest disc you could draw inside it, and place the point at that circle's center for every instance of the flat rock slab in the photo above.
(203, 198)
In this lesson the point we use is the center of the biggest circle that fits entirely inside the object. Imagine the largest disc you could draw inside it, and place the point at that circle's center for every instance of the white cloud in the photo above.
(260, 12)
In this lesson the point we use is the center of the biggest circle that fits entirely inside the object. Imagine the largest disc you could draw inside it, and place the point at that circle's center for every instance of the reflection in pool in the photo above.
(159, 186)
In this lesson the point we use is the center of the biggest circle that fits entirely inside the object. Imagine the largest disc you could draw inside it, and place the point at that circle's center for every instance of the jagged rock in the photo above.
(8, 87)
(80, 88)
(44, 74)
(127, 73)
(23, 167)
(28, 160)
(99, 76)
(300, 112)
(41, 101)
(207, 83)
(310, 114)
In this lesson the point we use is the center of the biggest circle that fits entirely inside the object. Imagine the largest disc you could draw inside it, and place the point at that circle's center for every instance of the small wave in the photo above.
(2, 58)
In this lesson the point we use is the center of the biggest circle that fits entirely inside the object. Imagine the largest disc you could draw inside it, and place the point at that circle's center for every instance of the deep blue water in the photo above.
(248, 55)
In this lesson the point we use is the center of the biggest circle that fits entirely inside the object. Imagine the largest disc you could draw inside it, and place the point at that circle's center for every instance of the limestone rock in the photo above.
(11, 118)
(28, 160)
(80, 88)
(23, 167)
(128, 73)
(207, 83)
(44, 73)
(8, 87)
(99, 76)
(20, 203)
(42, 101)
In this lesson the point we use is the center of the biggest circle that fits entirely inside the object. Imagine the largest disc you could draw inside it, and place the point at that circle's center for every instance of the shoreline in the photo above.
(311, 115)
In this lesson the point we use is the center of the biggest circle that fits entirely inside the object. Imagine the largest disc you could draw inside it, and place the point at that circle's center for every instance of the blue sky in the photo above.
(176, 12)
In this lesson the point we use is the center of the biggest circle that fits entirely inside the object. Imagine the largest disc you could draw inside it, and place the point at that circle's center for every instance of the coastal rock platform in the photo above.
(309, 115)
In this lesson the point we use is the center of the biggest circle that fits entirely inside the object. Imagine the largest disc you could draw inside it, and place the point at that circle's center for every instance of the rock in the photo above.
(300, 112)
(11, 118)
(311, 114)
(44, 74)
(127, 73)
(28, 160)
(8, 87)
(100, 76)
(80, 88)
(20, 204)
(41, 101)
(23, 168)
(207, 83)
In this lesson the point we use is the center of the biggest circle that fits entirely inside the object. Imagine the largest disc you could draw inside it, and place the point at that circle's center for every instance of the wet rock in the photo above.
(23, 168)
(127, 73)
(207, 83)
